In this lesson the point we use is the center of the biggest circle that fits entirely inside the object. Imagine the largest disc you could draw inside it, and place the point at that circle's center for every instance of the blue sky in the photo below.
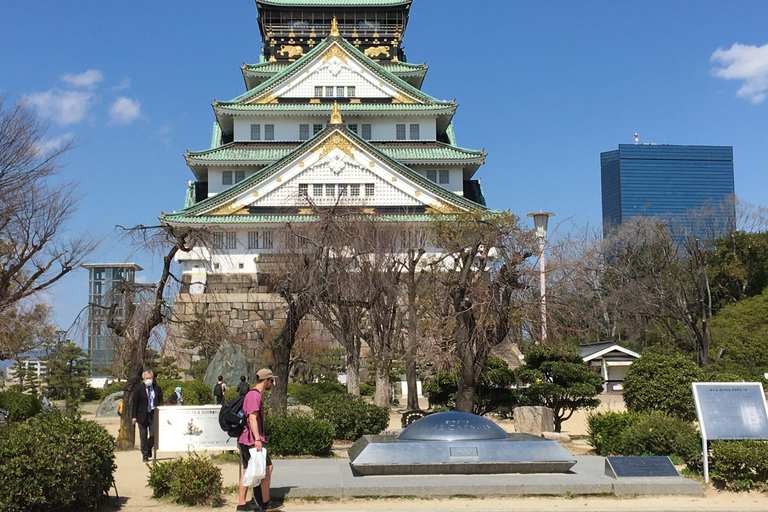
(544, 87)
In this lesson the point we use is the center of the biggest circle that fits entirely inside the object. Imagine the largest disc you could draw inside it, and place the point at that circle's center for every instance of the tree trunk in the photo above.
(410, 375)
(282, 347)
(383, 391)
(353, 371)
(126, 436)
(465, 394)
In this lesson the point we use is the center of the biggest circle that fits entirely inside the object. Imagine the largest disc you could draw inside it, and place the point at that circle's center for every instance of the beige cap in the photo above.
(265, 373)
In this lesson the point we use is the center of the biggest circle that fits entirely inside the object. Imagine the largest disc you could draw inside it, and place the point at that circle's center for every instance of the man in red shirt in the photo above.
(253, 436)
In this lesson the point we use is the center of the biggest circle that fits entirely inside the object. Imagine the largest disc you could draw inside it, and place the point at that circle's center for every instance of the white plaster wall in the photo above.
(324, 76)
(455, 177)
(215, 175)
(382, 127)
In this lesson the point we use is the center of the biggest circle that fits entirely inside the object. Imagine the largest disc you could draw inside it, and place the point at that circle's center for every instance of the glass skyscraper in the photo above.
(669, 182)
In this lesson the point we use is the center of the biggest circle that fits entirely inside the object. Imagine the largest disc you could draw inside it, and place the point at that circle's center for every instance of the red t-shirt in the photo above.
(253, 404)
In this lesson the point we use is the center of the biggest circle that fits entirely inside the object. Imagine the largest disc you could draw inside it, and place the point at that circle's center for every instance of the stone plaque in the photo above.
(731, 410)
(463, 451)
(628, 467)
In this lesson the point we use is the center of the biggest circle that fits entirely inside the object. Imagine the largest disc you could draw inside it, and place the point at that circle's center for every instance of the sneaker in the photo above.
(249, 506)
(145, 459)
(272, 505)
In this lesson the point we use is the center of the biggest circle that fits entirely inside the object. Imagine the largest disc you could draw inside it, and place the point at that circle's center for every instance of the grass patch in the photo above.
(231, 489)
(226, 457)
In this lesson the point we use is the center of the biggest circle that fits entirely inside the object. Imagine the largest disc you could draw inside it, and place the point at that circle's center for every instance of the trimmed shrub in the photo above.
(195, 392)
(659, 434)
(20, 406)
(168, 386)
(230, 394)
(352, 417)
(307, 394)
(194, 480)
(55, 462)
(298, 434)
(367, 389)
(739, 465)
(114, 388)
(662, 382)
(91, 394)
(605, 430)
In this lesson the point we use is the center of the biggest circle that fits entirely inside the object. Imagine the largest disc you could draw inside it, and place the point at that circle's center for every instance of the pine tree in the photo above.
(68, 369)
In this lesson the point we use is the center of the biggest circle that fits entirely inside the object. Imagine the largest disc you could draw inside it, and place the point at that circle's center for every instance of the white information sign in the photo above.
(183, 428)
(730, 410)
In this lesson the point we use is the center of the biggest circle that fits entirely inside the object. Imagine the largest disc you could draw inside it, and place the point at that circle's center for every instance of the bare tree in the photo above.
(146, 308)
(35, 250)
(485, 281)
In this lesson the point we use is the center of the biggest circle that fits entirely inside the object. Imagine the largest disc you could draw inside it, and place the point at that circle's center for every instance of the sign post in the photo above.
(729, 410)
(185, 428)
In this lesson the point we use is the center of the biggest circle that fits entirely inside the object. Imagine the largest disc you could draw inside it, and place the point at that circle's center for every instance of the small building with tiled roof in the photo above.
(611, 360)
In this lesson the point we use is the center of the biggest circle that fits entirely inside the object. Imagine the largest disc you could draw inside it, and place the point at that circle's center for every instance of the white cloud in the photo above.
(88, 79)
(48, 146)
(124, 110)
(164, 134)
(65, 107)
(744, 62)
(125, 83)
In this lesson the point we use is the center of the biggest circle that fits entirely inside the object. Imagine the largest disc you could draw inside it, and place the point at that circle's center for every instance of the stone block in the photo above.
(242, 314)
(534, 420)
(236, 324)
(556, 436)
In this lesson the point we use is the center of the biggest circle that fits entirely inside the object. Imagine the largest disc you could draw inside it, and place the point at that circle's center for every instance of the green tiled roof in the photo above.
(222, 197)
(267, 67)
(327, 107)
(335, 3)
(259, 152)
(374, 67)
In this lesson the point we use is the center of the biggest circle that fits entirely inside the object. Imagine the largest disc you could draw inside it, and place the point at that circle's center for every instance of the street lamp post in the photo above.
(540, 220)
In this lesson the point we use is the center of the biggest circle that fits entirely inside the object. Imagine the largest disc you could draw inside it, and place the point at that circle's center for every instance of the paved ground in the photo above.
(131, 477)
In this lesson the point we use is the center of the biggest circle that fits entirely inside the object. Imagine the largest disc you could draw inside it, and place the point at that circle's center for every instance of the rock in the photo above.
(231, 362)
(300, 410)
(534, 420)
(556, 436)
(108, 406)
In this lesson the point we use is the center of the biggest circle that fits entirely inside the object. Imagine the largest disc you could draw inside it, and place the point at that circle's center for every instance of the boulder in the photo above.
(231, 362)
(108, 406)
(534, 420)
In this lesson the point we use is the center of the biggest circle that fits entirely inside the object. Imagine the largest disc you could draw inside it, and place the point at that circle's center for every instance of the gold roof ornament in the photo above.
(334, 28)
(336, 115)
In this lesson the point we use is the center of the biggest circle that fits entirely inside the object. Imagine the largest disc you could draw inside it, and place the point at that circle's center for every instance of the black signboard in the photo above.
(628, 467)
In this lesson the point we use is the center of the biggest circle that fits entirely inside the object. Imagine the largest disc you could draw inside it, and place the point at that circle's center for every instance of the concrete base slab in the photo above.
(334, 478)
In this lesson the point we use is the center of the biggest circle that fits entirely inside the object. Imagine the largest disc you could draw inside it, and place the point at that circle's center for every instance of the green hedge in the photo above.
(662, 382)
(659, 434)
(194, 480)
(195, 392)
(111, 388)
(351, 416)
(367, 389)
(20, 406)
(298, 434)
(307, 394)
(739, 465)
(55, 462)
(606, 428)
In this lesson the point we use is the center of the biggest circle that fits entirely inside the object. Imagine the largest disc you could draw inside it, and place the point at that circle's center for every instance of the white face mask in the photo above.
(147, 382)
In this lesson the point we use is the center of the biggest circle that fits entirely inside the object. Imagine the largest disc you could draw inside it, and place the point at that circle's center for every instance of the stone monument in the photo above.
(457, 443)
(231, 362)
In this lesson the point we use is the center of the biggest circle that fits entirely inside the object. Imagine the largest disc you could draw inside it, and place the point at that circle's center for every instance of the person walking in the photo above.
(146, 398)
(253, 436)
(219, 389)
(242, 387)
(176, 398)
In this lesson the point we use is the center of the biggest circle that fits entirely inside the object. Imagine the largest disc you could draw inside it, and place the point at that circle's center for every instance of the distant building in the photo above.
(104, 280)
(668, 182)
(611, 360)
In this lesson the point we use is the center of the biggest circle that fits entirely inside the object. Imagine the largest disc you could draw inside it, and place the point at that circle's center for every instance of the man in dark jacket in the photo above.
(146, 397)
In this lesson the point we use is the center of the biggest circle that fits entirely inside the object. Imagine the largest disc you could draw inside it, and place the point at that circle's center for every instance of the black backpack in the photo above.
(232, 417)
(217, 390)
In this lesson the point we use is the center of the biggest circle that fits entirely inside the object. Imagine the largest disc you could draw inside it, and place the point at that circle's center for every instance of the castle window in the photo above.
(351, 91)
(354, 190)
(366, 132)
(352, 127)
(400, 132)
(253, 239)
(303, 131)
(316, 128)
(432, 175)
(231, 240)
(318, 91)
(218, 239)
(329, 91)
(226, 177)
(269, 132)
(414, 132)
(369, 189)
(317, 190)
(342, 189)
(443, 177)
(330, 189)
(255, 132)
(340, 91)
(266, 240)
(239, 176)
(303, 190)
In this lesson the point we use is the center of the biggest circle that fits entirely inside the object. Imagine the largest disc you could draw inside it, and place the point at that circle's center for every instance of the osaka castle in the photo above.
(332, 110)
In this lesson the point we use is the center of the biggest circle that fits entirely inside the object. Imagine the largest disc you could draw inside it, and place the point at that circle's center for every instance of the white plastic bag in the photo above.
(257, 467)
